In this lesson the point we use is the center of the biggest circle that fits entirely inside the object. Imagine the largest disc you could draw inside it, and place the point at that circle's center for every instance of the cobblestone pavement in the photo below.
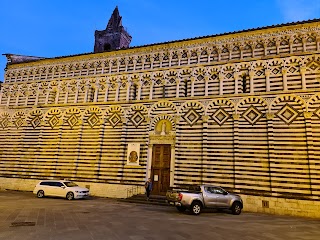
(101, 218)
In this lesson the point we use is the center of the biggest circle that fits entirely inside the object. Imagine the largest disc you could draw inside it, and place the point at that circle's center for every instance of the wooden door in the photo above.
(160, 168)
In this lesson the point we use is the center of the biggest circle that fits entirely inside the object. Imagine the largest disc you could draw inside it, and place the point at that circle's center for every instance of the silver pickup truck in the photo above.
(204, 196)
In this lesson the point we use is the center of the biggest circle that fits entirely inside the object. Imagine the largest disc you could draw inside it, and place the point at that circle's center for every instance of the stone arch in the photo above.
(4, 120)
(311, 101)
(191, 104)
(53, 117)
(294, 60)
(163, 103)
(260, 63)
(287, 97)
(139, 107)
(162, 117)
(221, 101)
(73, 117)
(19, 119)
(252, 99)
(35, 117)
(114, 115)
(93, 116)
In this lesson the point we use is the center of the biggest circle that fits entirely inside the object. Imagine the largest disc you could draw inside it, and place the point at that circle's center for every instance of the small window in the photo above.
(107, 47)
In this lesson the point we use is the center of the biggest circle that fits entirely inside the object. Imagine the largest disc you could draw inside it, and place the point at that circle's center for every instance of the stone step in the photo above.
(142, 199)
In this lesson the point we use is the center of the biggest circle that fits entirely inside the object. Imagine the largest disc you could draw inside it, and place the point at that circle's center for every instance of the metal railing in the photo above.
(134, 190)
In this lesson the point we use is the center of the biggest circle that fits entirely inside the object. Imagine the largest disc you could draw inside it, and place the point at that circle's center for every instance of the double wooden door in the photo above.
(160, 168)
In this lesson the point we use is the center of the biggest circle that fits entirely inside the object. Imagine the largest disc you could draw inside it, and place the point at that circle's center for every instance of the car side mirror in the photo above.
(63, 187)
(225, 193)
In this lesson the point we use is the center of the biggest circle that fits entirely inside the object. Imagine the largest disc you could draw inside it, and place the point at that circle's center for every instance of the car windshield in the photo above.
(70, 184)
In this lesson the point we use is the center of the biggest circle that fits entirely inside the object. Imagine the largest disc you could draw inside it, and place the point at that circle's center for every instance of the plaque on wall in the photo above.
(133, 155)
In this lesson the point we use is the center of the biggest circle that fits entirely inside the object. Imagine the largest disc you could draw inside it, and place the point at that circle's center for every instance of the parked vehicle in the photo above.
(204, 196)
(60, 188)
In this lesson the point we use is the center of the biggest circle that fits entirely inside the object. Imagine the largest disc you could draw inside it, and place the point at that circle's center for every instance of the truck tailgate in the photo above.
(172, 195)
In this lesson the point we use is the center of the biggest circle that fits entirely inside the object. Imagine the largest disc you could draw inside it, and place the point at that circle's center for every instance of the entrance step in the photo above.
(142, 199)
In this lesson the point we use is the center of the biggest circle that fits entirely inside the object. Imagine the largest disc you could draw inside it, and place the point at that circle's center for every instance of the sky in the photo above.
(66, 27)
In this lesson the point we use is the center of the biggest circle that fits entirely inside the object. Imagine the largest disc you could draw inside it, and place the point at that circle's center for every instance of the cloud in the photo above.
(298, 10)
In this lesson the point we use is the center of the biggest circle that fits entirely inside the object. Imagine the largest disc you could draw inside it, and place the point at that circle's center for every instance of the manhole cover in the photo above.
(20, 224)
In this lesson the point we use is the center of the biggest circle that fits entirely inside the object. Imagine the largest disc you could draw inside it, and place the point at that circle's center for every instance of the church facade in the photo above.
(240, 110)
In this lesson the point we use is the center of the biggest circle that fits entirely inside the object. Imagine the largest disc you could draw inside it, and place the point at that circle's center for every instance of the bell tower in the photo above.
(113, 37)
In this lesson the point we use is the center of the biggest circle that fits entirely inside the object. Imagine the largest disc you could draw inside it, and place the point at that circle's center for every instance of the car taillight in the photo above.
(180, 196)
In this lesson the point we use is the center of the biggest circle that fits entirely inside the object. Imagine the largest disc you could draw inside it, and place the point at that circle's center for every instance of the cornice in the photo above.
(180, 44)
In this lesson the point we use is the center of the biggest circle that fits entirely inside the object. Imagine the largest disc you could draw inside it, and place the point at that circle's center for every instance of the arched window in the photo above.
(91, 94)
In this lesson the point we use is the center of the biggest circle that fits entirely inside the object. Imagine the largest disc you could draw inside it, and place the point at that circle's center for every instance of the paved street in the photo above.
(23, 216)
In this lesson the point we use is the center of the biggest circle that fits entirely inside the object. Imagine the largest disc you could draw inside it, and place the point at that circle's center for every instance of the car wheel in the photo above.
(236, 208)
(181, 208)
(196, 208)
(69, 195)
(40, 194)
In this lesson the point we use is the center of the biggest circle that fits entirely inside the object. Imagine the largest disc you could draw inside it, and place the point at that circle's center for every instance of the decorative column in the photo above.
(139, 84)
(134, 64)
(8, 100)
(57, 96)
(236, 83)
(106, 92)
(37, 95)
(172, 164)
(318, 43)
(128, 85)
(151, 89)
(96, 93)
(220, 84)
(291, 44)
(251, 76)
(17, 99)
(219, 54)
(278, 46)
(206, 86)
(241, 51)
(270, 137)
(118, 85)
(252, 49)
(265, 47)
(304, 44)
(192, 86)
(86, 93)
(177, 88)
(204, 159)
(27, 97)
(149, 161)
(77, 92)
(66, 96)
(284, 79)
(47, 96)
(267, 73)
(303, 71)
(310, 149)
(236, 118)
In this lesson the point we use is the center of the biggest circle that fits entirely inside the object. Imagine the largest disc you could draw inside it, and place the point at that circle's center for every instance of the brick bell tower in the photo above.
(113, 37)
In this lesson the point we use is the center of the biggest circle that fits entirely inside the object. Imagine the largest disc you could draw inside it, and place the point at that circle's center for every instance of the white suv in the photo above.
(60, 188)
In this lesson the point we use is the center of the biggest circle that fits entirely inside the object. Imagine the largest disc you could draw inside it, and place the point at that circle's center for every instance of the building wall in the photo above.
(244, 111)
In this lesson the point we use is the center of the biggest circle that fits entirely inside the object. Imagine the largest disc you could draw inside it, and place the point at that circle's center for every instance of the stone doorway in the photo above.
(160, 168)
